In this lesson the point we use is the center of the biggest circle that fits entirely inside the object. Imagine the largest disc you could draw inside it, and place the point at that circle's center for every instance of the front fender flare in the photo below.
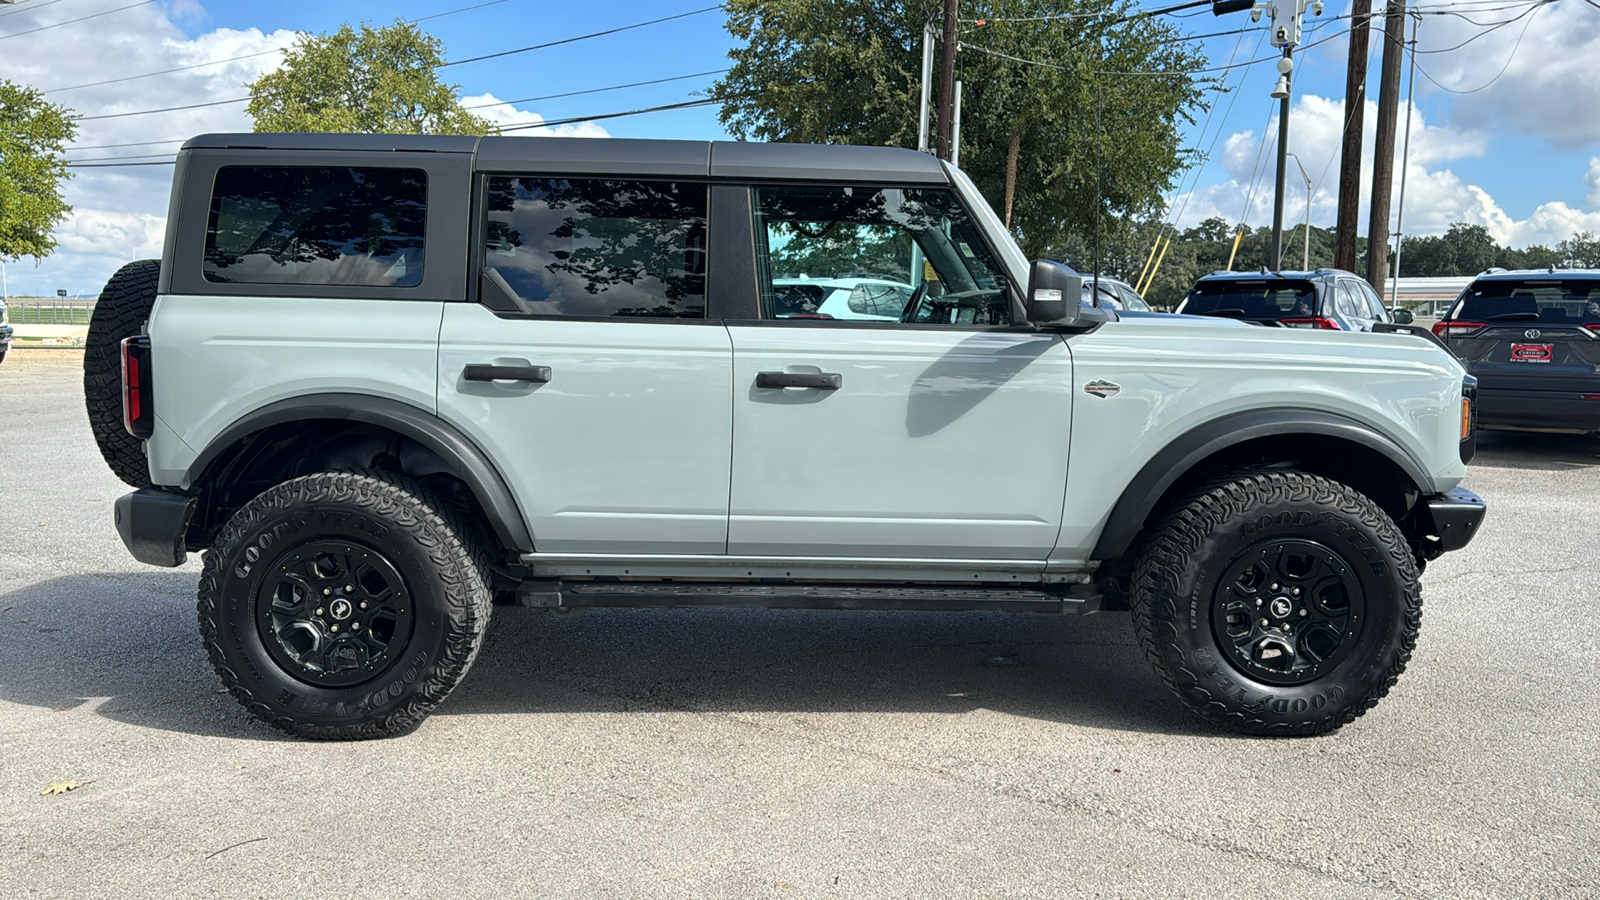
(427, 429)
(1183, 453)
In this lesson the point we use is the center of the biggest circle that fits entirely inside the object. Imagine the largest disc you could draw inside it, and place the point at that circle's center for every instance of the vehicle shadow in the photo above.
(1536, 450)
(126, 645)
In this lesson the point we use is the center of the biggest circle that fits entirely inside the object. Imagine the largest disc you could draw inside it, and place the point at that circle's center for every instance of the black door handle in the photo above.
(823, 381)
(483, 372)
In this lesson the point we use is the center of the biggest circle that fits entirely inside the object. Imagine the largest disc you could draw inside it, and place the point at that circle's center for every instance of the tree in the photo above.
(375, 80)
(33, 135)
(1044, 138)
(1581, 251)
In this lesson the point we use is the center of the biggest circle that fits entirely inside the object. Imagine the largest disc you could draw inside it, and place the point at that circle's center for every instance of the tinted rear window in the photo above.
(1275, 299)
(1549, 301)
(317, 225)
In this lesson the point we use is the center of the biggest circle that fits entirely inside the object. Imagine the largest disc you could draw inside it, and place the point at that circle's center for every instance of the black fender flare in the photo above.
(1184, 452)
(427, 429)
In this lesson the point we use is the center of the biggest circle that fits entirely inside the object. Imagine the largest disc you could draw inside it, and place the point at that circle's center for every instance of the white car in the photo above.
(856, 299)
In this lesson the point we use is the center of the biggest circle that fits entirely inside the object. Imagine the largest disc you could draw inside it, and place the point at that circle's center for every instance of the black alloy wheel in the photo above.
(1276, 602)
(344, 605)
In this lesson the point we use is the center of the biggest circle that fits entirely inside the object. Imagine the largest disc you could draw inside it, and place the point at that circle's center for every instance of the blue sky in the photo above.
(1521, 155)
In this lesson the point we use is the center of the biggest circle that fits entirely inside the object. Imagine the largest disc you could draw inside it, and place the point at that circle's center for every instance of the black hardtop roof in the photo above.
(624, 156)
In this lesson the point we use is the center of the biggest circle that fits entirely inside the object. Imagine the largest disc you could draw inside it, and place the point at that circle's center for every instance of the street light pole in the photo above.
(1307, 263)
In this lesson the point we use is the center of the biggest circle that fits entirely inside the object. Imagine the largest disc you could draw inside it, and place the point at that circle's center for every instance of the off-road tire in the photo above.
(1177, 580)
(438, 559)
(120, 313)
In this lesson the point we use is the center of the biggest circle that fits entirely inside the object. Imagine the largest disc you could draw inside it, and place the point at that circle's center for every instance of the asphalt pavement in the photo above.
(691, 753)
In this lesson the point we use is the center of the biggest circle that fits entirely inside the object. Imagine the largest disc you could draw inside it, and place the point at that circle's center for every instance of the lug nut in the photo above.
(1302, 612)
(1265, 623)
(355, 626)
(1258, 601)
(319, 610)
(363, 604)
(349, 589)
(333, 628)
(1295, 591)
(1274, 586)
(327, 592)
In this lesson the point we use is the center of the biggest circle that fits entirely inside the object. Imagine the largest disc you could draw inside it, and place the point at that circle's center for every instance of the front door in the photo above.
(940, 432)
(589, 372)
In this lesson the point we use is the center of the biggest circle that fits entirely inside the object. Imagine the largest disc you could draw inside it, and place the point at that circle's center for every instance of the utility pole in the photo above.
(947, 80)
(928, 37)
(1394, 36)
(1355, 106)
(1286, 15)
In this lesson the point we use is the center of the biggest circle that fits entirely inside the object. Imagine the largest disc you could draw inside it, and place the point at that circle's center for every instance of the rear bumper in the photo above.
(152, 522)
(1541, 410)
(1454, 518)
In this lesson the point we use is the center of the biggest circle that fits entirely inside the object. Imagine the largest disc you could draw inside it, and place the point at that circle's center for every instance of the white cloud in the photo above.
(1435, 196)
(1533, 76)
(504, 114)
(119, 213)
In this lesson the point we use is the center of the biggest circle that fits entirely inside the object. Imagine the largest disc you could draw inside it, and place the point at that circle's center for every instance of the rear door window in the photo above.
(602, 247)
(331, 225)
(1256, 299)
(1554, 301)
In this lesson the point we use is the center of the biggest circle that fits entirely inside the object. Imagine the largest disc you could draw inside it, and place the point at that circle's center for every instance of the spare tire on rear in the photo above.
(121, 312)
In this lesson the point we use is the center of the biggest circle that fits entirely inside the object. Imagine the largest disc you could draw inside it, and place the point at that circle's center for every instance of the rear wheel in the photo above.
(120, 313)
(343, 605)
(1277, 602)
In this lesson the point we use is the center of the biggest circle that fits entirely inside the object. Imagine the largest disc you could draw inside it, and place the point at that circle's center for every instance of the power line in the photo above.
(145, 112)
(581, 37)
(29, 8)
(454, 11)
(601, 90)
(1509, 57)
(113, 165)
(214, 62)
(79, 19)
(616, 115)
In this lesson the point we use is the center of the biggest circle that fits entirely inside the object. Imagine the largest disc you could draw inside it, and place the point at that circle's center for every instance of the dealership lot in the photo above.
(698, 753)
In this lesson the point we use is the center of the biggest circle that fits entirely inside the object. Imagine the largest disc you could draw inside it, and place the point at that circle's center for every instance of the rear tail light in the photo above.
(1456, 329)
(1318, 322)
(138, 412)
(1595, 327)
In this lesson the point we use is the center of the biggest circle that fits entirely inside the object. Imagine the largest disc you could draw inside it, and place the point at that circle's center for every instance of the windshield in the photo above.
(1277, 298)
(1548, 301)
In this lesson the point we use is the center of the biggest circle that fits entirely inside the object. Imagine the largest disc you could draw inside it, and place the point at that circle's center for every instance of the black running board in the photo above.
(1077, 599)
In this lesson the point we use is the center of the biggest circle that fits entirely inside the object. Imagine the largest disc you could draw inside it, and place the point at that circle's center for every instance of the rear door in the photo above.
(1534, 334)
(589, 370)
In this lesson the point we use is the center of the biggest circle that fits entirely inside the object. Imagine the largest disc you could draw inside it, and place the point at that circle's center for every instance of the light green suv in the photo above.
(382, 381)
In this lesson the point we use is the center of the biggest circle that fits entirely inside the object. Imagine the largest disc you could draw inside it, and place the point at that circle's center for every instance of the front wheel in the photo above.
(343, 605)
(1277, 602)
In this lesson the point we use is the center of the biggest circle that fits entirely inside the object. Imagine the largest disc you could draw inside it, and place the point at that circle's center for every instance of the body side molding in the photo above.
(439, 436)
(1178, 457)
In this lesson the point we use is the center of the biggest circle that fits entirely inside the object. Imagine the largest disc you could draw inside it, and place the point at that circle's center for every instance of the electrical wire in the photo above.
(97, 15)
(601, 90)
(146, 112)
(29, 8)
(616, 115)
(581, 37)
(454, 11)
(1509, 57)
(1222, 126)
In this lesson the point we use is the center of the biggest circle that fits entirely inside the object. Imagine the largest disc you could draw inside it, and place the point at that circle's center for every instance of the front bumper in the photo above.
(152, 522)
(1454, 518)
(5, 337)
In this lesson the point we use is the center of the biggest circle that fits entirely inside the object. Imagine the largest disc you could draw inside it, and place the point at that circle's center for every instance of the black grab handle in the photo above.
(484, 372)
(824, 381)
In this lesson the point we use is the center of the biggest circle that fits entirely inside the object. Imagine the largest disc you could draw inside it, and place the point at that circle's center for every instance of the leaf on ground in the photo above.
(61, 787)
(62, 708)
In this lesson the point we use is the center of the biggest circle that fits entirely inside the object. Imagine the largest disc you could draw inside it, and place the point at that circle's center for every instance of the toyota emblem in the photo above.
(1531, 334)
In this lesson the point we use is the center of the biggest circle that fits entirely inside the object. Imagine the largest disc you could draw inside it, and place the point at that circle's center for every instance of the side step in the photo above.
(1075, 599)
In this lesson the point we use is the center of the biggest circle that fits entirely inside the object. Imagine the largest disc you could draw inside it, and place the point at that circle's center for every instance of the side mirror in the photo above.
(1055, 293)
(1403, 316)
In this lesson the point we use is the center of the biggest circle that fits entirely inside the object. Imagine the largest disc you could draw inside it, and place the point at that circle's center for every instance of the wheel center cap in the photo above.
(1280, 607)
(341, 609)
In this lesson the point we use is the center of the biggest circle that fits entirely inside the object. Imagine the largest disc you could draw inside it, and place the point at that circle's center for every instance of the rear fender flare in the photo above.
(469, 461)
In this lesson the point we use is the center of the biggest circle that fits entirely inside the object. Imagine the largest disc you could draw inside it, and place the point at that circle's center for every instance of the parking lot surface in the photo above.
(682, 753)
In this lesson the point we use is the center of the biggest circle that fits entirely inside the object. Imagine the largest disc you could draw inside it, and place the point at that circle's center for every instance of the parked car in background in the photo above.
(5, 330)
(1330, 299)
(1532, 338)
(855, 299)
(1114, 294)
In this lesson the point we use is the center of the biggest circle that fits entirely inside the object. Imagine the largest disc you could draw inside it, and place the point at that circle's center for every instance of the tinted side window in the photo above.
(1348, 305)
(1374, 302)
(917, 245)
(317, 225)
(600, 247)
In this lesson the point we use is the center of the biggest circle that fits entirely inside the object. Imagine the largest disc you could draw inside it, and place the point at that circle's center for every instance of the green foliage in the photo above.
(375, 80)
(33, 135)
(1581, 251)
(848, 72)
